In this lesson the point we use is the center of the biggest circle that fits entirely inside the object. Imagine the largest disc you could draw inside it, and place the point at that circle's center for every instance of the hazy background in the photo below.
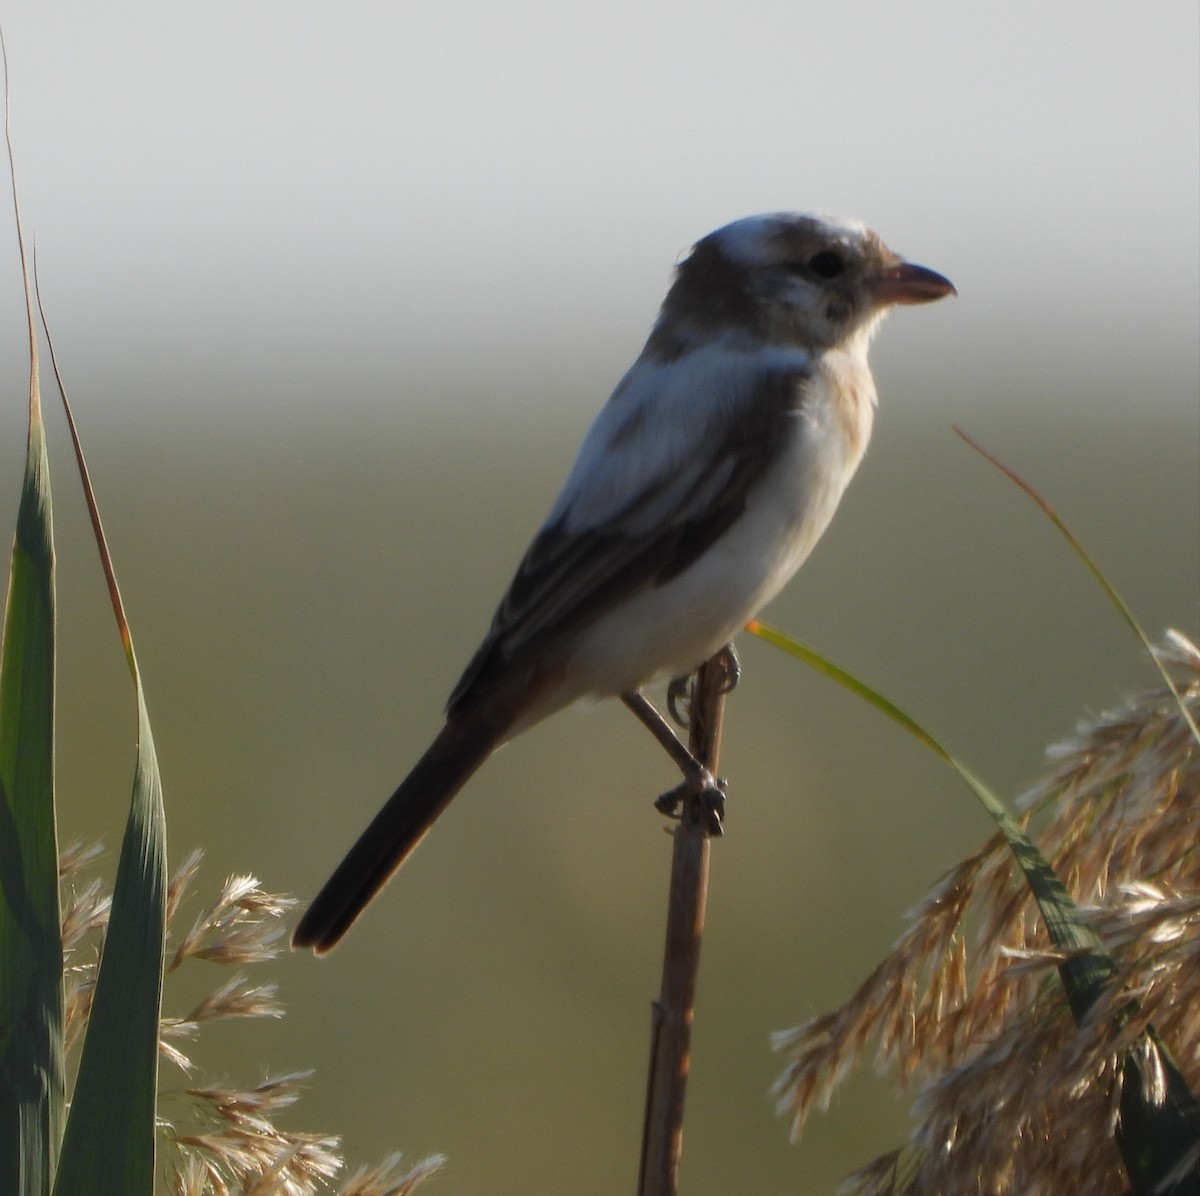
(337, 288)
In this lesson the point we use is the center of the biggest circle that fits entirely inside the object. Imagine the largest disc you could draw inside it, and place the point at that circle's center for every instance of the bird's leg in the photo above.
(679, 697)
(661, 730)
(697, 780)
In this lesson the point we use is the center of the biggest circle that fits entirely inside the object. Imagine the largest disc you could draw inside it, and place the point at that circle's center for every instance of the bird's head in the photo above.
(787, 278)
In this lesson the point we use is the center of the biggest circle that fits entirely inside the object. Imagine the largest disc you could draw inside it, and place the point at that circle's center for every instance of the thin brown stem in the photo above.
(662, 1130)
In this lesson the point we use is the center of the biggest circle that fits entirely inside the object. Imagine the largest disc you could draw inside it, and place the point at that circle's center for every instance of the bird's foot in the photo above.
(700, 796)
(728, 661)
(680, 689)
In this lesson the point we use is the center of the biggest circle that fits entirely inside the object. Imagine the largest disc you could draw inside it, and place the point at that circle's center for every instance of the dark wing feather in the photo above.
(566, 579)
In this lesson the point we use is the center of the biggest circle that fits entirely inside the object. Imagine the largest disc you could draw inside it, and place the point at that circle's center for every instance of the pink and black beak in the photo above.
(907, 283)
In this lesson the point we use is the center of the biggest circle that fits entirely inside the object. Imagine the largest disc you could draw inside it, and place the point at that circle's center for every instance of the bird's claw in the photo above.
(712, 807)
(708, 794)
(679, 689)
(668, 803)
(731, 666)
(678, 694)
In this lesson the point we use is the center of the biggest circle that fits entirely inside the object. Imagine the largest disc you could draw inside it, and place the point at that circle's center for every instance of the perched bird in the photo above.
(699, 490)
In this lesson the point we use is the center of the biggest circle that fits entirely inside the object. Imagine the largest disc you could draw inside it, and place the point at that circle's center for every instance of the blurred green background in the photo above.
(336, 293)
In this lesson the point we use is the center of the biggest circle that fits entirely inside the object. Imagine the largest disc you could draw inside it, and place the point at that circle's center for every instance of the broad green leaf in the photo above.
(31, 1001)
(108, 1146)
(31, 996)
(109, 1143)
(110, 1136)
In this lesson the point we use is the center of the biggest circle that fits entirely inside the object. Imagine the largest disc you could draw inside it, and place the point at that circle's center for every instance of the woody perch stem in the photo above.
(671, 1033)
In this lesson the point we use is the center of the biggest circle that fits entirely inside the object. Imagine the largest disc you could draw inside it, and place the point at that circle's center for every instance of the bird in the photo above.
(700, 488)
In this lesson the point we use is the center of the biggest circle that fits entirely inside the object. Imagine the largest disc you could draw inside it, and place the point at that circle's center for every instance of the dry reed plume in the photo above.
(224, 1141)
(1010, 1095)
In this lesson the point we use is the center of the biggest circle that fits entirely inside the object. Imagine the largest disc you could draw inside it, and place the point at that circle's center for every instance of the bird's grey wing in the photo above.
(571, 574)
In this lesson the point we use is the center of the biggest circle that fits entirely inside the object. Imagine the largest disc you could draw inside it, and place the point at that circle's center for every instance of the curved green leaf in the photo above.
(108, 1146)
(1109, 590)
(31, 1001)
(109, 1143)
(110, 1136)
(1160, 1116)
(1088, 969)
(31, 997)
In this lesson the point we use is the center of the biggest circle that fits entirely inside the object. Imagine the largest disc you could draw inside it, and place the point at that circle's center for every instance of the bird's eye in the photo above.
(826, 264)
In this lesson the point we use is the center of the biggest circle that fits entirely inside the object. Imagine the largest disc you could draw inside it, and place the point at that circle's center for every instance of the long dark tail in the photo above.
(461, 747)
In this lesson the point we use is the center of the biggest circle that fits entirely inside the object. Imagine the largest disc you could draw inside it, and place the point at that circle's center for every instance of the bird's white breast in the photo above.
(670, 630)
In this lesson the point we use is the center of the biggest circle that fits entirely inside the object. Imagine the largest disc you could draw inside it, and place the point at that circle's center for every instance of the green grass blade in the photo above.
(109, 1143)
(1109, 589)
(31, 1002)
(31, 997)
(1160, 1116)
(1088, 969)
(110, 1135)
(1155, 1131)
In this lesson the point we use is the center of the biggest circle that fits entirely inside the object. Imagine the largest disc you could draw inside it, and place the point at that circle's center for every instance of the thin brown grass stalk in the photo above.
(1010, 1095)
(220, 1140)
(671, 1037)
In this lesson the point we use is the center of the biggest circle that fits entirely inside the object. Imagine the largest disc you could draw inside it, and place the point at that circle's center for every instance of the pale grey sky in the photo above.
(256, 206)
